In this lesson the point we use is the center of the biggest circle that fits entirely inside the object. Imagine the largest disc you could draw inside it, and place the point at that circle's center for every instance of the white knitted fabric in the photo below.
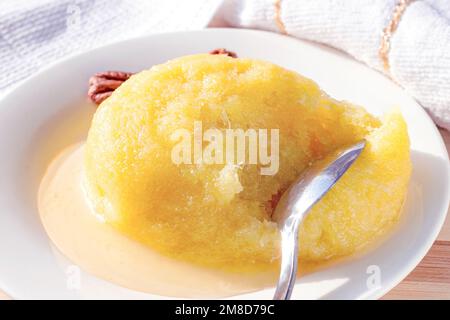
(420, 48)
(34, 33)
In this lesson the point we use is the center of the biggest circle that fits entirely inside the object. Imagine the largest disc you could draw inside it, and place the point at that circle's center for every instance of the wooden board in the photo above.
(431, 278)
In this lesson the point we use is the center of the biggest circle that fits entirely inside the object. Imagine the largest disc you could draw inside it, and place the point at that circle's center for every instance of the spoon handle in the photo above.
(296, 202)
(289, 260)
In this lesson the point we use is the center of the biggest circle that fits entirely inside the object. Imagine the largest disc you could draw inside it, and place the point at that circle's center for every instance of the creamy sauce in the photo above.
(101, 250)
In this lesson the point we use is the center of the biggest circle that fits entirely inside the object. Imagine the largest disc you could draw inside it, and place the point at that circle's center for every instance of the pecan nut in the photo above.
(223, 51)
(103, 84)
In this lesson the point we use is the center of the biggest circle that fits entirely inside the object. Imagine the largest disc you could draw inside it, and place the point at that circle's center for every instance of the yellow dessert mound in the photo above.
(219, 214)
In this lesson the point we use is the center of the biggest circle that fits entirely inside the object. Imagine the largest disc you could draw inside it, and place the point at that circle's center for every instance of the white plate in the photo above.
(33, 114)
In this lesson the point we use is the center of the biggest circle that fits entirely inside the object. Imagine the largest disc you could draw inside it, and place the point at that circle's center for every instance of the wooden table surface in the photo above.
(431, 278)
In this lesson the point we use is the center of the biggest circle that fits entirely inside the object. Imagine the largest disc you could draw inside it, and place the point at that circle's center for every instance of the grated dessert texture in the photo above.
(220, 215)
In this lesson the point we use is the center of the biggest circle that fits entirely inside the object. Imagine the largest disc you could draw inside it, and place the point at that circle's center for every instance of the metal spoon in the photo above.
(295, 204)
